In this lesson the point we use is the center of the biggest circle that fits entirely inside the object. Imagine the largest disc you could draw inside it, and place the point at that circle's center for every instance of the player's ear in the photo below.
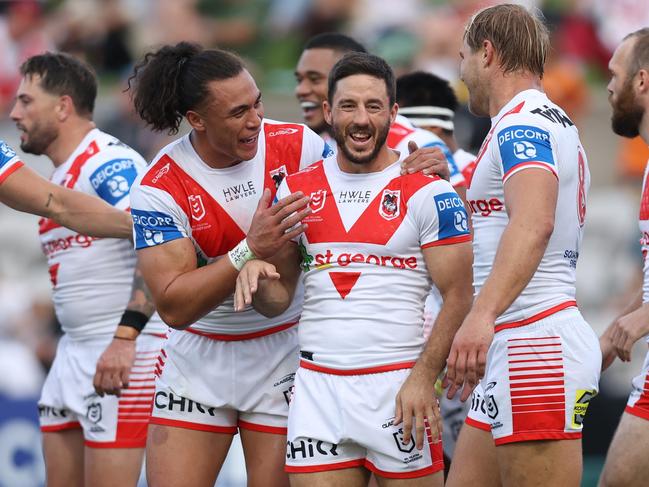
(326, 110)
(643, 81)
(393, 113)
(488, 53)
(195, 120)
(64, 108)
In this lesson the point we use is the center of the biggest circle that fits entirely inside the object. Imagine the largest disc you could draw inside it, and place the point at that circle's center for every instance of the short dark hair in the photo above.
(334, 41)
(362, 63)
(61, 74)
(425, 89)
(173, 80)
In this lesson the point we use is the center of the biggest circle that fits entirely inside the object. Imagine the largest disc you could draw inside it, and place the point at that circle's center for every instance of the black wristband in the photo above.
(134, 319)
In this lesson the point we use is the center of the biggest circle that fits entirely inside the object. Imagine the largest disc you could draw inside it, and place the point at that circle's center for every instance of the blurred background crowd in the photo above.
(411, 34)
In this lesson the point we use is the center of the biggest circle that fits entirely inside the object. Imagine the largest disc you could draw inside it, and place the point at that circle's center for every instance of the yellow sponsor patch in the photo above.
(582, 399)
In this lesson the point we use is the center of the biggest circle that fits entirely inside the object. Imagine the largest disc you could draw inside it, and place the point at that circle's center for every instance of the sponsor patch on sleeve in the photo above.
(112, 181)
(153, 228)
(453, 220)
(6, 153)
(327, 151)
(525, 145)
(454, 170)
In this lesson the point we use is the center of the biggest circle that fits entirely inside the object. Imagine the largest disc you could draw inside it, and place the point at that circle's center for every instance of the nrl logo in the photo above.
(389, 207)
(196, 206)
(94, 412)
(317, 200)
(278, 175)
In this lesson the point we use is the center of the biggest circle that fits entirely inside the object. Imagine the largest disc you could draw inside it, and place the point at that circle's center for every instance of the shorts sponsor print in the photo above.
(344, 421)
(69, 401)
(219, 386)
(539, 380)
(638, 403)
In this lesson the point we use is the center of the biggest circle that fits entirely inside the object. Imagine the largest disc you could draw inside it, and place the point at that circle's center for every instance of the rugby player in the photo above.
(375, 240)
(320, 53)
(24, 190)
(537, 360)
(89, 438)
(200, 212)
(628, 91)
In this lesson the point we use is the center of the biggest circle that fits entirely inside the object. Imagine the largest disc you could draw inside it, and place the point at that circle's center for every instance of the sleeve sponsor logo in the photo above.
(153, 228)
(453, 221)
(7, 153)
(449, 157)
(327, 151)
(524, 143)
(113, 180)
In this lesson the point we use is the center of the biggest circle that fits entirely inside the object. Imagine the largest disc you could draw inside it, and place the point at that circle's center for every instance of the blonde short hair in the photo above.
(520, 37)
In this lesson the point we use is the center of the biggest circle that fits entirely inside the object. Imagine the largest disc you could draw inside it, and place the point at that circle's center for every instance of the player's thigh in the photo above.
(540, 463)
(433, 480)
(107, 467)
(626, 462)
(348, 477)
(63, 453)
(474, 460)
(180, 456)
(265, 455)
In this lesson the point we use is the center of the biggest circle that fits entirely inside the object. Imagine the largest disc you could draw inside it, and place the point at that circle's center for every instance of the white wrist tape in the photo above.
(241, 254)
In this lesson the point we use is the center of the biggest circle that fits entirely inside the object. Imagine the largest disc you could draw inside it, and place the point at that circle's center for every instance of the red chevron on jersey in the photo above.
(397, 133)
(283, 153)
(487, 139)
(72, 176)
(212, 228)
(377, 223)
(344, 281)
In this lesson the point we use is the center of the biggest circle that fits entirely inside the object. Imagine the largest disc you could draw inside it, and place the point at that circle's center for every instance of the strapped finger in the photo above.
(294, 232)
(407, 425)
(294, 219)
(420, 429)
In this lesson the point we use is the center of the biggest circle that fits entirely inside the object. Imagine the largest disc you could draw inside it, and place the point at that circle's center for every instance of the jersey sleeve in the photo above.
(440, 215)
(424, 139)
(524, 144)
(9, 161)
(156, 217)
(110, 175)
(314, 148)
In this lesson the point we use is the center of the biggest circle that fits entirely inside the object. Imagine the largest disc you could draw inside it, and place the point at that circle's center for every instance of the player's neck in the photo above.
(383, 159)
(644, 126)
(208, 155)
(70, 136)
(507, 86)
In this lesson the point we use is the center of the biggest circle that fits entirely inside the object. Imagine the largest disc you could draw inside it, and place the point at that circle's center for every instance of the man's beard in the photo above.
(39, 139)
(381, 136)
(627, 113)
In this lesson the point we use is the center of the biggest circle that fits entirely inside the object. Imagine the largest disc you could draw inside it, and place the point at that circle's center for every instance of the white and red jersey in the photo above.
(91, 277)
(180, 196)
(643, 222)
(465, 162)
(365, 276)
(9, 161)
(531, 132)
(403, 131)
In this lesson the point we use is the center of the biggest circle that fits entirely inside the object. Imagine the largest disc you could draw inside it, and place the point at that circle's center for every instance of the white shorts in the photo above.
(539, 380)
(219, 386)
(69, 399)
(344, 421)
(638, 403)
